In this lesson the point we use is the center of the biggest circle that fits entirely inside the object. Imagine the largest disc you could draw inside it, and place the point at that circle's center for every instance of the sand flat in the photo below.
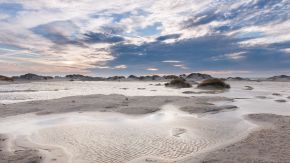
(121, 128)
(112, 137)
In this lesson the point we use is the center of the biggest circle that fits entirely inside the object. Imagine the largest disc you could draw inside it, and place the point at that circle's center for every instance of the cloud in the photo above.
(152, 69)
(200, 34)
(59, 32)
(226, 73)
(181, 66)
(102, 38)
(121, 67)
(171, 61)
(287, 50)
(231, 56)
(167, 37)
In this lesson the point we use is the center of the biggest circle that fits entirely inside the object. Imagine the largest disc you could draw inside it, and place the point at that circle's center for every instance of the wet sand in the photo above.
(110, 103)
(113, 128)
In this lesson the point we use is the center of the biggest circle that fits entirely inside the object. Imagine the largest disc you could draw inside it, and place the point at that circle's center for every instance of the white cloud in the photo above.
(152, 69)
(171, 61)
(225, 72)
(93, 16)
(121, 67)
(181, 66)
(232, 56)
(287, 50)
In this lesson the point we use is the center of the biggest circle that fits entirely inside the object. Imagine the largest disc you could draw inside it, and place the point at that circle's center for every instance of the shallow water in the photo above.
(169, 134)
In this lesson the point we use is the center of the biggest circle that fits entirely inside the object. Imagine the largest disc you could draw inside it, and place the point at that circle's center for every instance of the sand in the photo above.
(108, 103)
(226, 127)
(20, 155)
(122, 130)
(269, 144)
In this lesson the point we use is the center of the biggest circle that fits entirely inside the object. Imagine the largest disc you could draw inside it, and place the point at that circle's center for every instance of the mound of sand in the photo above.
(214, 83)
(178, 83)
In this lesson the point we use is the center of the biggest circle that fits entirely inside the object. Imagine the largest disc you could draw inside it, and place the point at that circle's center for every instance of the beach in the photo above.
(143, 122)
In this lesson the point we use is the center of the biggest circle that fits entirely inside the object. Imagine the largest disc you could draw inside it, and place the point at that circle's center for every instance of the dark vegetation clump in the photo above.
(4, 78)
(213, 83)
(178, 83)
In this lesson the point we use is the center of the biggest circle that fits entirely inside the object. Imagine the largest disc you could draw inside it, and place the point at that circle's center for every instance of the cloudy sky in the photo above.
(222, 37)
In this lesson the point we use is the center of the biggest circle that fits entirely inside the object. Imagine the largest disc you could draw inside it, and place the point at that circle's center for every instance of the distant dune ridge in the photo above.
(30, 76)
(280, 78)
(79, 77)
(188, 77)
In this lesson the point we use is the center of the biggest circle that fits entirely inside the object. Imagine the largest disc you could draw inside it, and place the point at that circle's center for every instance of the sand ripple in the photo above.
(123, 141)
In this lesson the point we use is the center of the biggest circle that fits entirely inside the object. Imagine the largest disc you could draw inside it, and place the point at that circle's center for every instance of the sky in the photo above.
(123, 37)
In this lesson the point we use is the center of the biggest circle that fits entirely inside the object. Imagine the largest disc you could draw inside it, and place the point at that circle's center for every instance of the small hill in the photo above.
(178, 83)
(198, 77)
(279, 78)
(79, 77)
(213, 83)
(116, 78)
(237, 79)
